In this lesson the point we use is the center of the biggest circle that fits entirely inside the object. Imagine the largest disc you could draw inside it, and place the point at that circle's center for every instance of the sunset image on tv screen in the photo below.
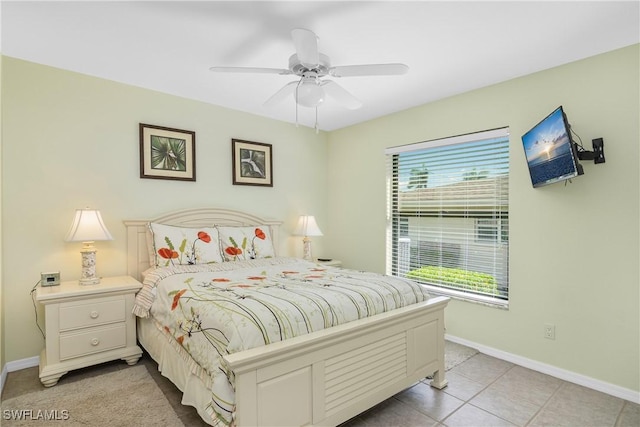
(548, 150)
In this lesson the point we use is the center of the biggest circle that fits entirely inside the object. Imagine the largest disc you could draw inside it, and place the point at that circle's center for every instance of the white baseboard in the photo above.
(572, 377)
(17, 365)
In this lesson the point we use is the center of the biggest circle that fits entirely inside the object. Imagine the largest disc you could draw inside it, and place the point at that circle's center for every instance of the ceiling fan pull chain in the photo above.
(297, 86)
(316, 125)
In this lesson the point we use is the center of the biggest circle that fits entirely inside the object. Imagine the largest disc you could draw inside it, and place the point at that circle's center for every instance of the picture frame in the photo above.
(167, 153)
(252, 163)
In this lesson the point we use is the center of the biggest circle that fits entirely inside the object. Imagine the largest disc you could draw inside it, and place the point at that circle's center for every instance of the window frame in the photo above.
(398, 221)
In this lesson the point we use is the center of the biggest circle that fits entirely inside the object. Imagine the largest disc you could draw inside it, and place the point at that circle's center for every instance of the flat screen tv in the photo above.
(551, 154)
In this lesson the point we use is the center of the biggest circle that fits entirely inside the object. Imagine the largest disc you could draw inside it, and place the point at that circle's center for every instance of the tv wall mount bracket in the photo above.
(597, 155)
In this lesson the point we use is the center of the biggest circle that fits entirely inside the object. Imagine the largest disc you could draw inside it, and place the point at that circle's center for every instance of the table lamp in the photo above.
(307, 226)
(87, 228)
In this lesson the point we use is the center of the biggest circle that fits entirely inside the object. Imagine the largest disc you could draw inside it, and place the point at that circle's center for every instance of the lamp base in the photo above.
(88, 276)
(94, 281)
(306, 251)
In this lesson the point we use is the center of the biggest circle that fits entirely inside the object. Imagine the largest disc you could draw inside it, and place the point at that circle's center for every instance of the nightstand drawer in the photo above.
(92, 341)
(81, 314)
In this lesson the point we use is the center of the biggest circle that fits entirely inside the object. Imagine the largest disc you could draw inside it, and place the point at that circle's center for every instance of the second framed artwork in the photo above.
(252, 163)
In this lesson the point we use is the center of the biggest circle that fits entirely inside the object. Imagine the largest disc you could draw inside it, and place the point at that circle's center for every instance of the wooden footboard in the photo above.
(329, 376)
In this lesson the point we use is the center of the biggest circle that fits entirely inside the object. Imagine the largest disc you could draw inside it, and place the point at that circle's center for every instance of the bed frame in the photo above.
(328, 376)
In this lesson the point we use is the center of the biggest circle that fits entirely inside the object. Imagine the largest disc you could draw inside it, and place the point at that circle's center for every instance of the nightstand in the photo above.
(87, 324)
(330, 263)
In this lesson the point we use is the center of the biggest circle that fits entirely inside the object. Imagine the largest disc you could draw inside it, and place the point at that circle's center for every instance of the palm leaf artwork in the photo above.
(168, 153)
(252, 163)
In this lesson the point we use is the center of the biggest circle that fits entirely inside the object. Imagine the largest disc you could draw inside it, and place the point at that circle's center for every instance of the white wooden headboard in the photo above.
(137, 250)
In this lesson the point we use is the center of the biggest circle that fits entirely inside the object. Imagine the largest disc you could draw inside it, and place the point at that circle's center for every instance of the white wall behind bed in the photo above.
(71, 141)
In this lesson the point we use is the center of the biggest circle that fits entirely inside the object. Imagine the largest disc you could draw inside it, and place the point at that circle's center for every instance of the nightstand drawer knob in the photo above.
(94, 314)
(95, 341)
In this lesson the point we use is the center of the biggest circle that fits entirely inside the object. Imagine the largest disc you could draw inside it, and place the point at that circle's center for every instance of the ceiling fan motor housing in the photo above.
(321, 69)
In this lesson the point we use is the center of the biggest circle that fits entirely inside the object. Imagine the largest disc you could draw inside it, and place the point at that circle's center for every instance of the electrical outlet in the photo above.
(550, 331)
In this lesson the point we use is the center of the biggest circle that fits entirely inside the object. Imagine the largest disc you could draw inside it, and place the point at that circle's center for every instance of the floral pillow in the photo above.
(180, 245)
(240, 243)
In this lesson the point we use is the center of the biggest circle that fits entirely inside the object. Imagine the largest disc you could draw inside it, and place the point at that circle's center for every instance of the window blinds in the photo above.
(448, 214)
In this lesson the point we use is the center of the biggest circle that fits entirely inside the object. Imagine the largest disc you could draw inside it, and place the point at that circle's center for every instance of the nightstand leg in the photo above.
(132, 360)
(51, 380)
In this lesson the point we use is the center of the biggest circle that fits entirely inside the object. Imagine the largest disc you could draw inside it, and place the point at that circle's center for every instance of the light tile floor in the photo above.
(485, 391)
(482, 391)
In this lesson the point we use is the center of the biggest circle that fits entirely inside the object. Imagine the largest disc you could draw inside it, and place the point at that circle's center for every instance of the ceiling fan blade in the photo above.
(341, 95)
(255, 70)
(281, 94)
(306, 43)
(368, 70)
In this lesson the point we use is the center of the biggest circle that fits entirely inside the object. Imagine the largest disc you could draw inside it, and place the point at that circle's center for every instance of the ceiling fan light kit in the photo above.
(310, 90)
(309, 93)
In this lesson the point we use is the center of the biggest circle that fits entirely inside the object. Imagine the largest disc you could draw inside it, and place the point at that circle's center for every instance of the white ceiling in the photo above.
(450, 47)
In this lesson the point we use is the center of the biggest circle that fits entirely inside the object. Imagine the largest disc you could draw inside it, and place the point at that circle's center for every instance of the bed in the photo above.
(324, 377)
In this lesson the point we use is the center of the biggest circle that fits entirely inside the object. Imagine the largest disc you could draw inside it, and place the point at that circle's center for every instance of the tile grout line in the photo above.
(546, 403)
(468, 401)
(618, 418)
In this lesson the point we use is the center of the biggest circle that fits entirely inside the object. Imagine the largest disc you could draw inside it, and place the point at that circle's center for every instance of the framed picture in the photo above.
(252, 163)
(167, 153)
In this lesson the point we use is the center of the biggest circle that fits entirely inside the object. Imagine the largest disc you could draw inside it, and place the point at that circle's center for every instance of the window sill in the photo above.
(467, 297)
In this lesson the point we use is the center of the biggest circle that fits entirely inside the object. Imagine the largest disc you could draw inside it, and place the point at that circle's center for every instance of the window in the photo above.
(448, 215)
(491, 230)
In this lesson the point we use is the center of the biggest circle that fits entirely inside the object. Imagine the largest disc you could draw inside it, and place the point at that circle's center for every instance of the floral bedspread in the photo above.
(214, 310)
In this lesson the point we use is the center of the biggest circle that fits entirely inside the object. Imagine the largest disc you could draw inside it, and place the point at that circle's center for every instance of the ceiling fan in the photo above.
(311, 67)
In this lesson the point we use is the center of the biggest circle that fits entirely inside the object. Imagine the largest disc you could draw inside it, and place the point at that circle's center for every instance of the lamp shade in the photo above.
(88, 227)
(307, 226)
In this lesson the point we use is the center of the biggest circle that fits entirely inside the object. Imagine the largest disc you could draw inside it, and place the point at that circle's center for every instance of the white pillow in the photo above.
(240, 243)
(182, 245)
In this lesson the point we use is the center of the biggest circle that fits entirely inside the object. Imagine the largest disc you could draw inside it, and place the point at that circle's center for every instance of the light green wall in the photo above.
(70, 141)
(574, 249)
(2, 359)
